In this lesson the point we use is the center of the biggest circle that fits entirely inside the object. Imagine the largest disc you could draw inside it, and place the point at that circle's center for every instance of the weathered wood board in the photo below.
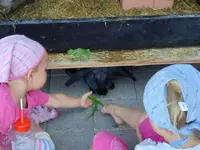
(128, 58)
(127, 33)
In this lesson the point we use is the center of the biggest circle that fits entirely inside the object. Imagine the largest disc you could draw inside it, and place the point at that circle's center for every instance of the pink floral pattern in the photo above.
(5, 141)
(117, 145)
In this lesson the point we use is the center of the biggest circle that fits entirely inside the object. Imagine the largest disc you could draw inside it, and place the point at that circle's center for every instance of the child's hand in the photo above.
(85, 102)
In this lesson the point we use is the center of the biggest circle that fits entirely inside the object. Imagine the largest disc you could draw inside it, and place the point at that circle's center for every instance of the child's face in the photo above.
(39, 75)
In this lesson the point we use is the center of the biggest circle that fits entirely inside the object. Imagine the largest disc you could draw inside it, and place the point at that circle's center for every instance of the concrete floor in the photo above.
(72, 131)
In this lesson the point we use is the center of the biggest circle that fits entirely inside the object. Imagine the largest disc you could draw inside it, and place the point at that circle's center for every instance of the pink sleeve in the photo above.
(38, 98)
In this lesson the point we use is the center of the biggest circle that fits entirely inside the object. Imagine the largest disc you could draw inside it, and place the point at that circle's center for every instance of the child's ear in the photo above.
(29, 76)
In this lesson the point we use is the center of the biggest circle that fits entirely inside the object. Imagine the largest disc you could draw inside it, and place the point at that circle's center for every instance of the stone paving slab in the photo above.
(71, 120)
(72, 140)
(71, 130)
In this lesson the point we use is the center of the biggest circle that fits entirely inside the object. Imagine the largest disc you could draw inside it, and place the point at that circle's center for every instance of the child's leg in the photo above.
(43, 139)
(130, 116)
(134, 118)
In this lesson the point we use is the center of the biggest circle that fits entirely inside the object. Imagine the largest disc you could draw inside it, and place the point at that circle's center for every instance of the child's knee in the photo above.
(44, 141)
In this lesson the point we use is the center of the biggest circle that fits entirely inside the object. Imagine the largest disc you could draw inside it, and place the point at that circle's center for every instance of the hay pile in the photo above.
(62, 9)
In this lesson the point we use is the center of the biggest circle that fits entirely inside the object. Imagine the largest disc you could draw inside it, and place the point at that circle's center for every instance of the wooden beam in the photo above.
(105, 58)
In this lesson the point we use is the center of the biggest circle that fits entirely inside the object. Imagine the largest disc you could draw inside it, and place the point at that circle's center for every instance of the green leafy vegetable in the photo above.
(95, 107)
(94, 100)
(79, 54)
(96, 103)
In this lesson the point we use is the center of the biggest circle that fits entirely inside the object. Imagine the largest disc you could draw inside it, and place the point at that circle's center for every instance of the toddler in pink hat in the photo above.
(22, 75)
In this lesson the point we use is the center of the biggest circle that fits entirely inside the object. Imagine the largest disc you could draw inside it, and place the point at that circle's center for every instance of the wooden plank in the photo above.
(105, 58)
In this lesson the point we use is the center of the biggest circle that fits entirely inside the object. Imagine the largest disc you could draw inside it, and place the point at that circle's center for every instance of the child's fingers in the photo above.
(85, 96)
(85, 102)
(89, 93)
(89, 102)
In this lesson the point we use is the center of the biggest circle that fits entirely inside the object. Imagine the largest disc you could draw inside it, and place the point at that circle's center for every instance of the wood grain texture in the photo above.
(105, 58)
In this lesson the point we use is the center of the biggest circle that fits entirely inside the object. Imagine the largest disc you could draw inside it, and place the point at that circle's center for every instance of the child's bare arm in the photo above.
(126, 114)
(64, 101)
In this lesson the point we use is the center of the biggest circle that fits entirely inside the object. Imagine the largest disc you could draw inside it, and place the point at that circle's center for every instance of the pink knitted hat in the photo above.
(18, 54)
